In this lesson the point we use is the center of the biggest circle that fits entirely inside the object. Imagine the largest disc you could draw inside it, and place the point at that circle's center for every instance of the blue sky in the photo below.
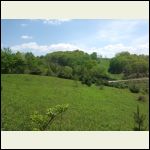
(106, 37)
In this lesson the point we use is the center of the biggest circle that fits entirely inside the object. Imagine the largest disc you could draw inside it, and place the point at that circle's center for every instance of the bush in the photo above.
(105, 82)
(134, 88)
(120, 85)
(35, 71)
(139, 119)
(141, 98)
(86, 81)
(146, 90)
(101, 87)
(41, 122)
(100, 83)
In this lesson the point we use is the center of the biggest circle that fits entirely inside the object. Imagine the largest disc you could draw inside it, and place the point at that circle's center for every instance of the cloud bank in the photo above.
(106, 51)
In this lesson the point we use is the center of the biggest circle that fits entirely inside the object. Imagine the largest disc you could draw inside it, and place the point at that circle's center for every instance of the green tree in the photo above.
(66, 72)
(94, 55)
(19, 63)
(7, 60)
(132, 66)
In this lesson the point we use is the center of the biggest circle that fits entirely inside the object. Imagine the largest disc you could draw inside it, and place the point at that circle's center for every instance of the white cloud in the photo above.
(117, 30)
(106, 51)
(43, 49)
(112, 49)
(55, 21)
(63, 46)
(26, 37)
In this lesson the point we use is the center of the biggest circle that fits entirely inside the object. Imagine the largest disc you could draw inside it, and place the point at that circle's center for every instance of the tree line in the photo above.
(76, 65)
(131, 65)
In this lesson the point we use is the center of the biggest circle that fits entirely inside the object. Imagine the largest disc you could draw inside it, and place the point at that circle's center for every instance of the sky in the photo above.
(107, 37)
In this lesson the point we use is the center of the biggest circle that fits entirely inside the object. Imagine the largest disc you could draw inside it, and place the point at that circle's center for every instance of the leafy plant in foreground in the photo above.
(42, 122)
(139, 120)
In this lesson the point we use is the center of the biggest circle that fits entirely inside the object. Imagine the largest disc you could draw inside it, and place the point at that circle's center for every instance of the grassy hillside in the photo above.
(89, 107)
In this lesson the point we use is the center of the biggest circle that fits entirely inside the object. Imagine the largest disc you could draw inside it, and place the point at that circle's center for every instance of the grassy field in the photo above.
(90, 109)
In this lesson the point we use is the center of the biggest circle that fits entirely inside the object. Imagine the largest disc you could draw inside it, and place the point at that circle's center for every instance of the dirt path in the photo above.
(129, 80)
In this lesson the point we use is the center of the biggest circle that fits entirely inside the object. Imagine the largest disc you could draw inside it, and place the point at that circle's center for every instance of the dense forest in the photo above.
(76, 65)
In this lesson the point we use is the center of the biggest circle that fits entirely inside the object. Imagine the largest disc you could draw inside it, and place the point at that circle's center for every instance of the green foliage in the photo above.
(100, 84)
(12, 63)
(70, 63)
(134, 88)
(65, 72)
(101, 87)
(75, 78)
(86, 79)
(98, 72)
(37, 121)
(131, 65)
(42, 122)
(120, 85)
(66, 65)
(139, 120)
(94, 55)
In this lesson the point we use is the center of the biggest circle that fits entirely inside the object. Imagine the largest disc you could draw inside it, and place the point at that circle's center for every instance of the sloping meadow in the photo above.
(90, 108)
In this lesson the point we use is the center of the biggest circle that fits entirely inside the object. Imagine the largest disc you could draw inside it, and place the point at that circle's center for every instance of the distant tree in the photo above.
(132, 66)
(19, 63)
(7, 62)
(94, 55)
(66, 72)
(87, 67)
(32, 64)
(98, 72)
(86, 78)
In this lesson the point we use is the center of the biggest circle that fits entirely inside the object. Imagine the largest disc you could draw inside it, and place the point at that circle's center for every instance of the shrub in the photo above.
(86, 81)
(35, 71)
(100, 83)
(139, 120)
(134, 88)
(101, 87)
(105, 82)
(120, 85)
(146, 90)
(141, 98)
(41, 122)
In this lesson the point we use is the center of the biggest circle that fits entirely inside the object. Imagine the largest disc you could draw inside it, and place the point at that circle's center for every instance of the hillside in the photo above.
(90, 108)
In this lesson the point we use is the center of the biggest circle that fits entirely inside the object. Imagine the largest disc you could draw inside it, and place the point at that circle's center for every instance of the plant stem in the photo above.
(46, 125)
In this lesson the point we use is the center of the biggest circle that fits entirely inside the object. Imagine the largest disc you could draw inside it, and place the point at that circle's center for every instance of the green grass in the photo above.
(90, 109)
